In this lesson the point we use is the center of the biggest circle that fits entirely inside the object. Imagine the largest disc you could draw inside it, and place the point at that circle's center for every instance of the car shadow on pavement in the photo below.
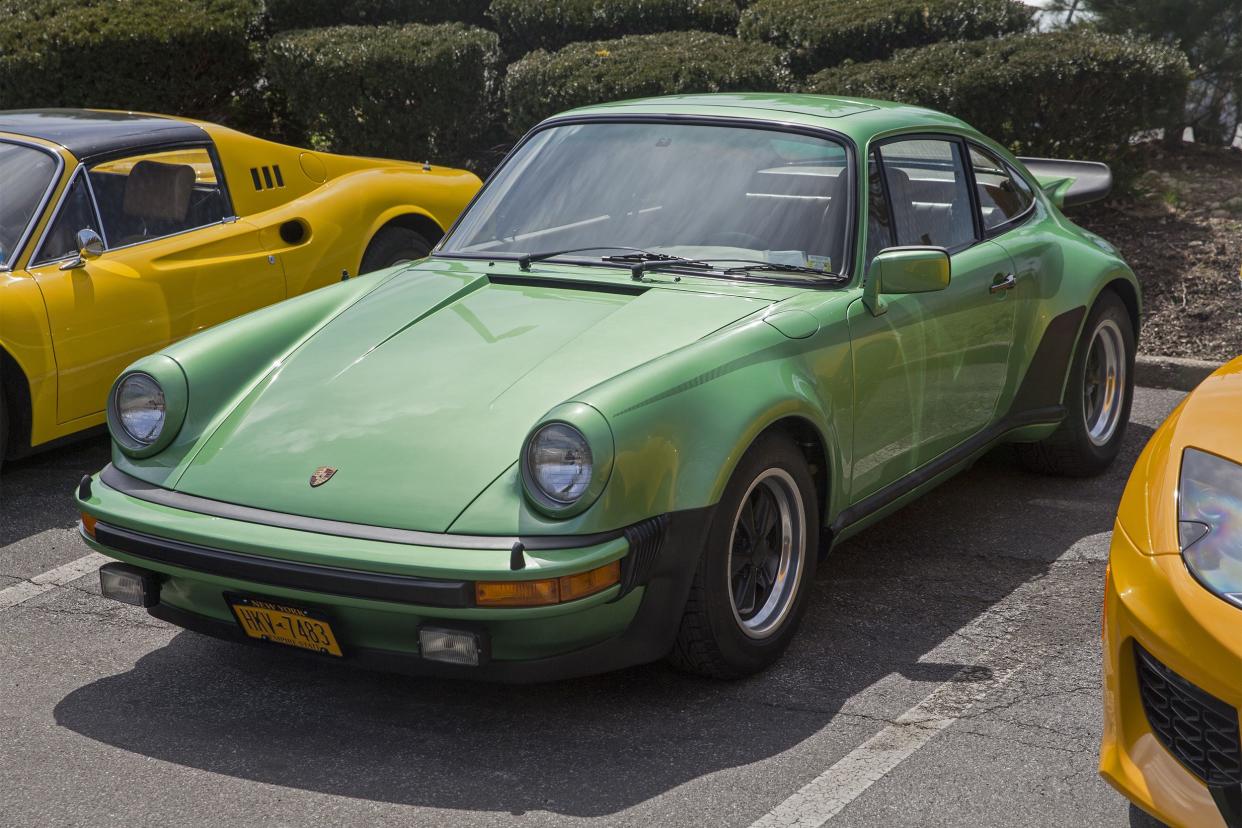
(596, 746)
(36, 492)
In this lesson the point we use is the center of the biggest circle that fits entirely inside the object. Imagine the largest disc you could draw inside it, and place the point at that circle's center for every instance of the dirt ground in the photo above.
(1181, 231)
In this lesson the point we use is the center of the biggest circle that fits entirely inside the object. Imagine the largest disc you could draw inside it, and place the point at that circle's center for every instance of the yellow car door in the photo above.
(143, 251)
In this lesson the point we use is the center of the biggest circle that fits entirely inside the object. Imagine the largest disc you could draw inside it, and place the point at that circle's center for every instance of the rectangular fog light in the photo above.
(129, 585)
(451, 646)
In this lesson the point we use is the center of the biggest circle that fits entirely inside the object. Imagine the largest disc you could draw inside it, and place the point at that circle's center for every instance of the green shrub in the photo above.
(283, 15)
(526, 25)
(1070, 94)
(543, 83)
(822, 33)
(410, 91)
(185, 57)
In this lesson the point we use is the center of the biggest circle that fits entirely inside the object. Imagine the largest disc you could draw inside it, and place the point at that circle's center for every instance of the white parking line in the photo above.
(60, 576)
(982, 646)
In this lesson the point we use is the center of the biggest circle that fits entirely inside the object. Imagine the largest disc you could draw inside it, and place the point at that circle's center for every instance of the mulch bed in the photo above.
(1181, 231)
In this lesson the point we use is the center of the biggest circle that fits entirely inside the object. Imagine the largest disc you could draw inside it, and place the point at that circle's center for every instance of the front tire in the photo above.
(750, 589)
(1098, 395)
(392, 246)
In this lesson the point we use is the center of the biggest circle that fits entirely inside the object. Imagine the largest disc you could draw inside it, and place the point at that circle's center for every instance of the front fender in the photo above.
(681, 424)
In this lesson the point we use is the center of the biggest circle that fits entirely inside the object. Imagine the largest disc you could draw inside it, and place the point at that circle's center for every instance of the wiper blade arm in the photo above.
(525, 261)
(755, 265)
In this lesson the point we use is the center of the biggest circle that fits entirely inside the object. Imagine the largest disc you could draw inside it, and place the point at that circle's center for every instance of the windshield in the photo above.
(691, 190)
(25, 176)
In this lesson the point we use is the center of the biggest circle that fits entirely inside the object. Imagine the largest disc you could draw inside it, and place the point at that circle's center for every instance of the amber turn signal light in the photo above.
(88, 524)
(548, 590)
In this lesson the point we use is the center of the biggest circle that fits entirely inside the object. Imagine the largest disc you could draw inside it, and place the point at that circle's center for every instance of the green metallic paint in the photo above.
(421, 385)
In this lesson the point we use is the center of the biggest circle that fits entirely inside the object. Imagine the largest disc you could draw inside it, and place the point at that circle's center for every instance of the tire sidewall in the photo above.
(744, 653)
(1108, 306)
(392, 244)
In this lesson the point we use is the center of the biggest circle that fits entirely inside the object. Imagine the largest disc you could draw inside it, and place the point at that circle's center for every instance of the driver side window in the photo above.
(76, 213)
(927, 187)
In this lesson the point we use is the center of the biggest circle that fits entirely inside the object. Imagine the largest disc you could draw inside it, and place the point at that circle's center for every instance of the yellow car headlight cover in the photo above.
(1209, 529)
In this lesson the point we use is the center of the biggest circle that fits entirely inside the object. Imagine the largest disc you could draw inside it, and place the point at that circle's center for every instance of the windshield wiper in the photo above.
(754, 265)
(525, 261)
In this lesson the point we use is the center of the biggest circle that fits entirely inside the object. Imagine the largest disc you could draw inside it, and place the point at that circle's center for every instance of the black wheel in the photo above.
(393, 246)
(750, 588)
(1097, 397)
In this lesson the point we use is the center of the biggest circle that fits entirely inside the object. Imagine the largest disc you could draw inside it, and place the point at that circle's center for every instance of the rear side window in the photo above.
(76, 214)
(928, 190)
(1003, 195)
(145, 197)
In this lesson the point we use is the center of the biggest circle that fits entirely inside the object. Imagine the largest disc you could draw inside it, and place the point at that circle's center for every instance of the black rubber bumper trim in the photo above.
(648, 637)
(402, 589)
(126, 484)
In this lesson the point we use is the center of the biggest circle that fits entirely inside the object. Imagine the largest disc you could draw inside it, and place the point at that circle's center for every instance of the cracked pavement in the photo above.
(111, 717)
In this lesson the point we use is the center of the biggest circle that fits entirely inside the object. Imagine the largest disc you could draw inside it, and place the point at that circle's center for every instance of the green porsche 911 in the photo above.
(674, 351)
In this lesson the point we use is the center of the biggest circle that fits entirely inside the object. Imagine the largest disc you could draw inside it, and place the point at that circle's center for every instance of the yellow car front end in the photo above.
(1172, 616)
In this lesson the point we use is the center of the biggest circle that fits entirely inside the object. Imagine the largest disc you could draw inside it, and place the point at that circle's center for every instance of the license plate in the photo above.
(284, 624)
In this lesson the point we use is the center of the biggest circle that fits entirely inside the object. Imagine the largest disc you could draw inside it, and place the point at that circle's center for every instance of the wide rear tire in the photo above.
(750, 589)
(1098, 395)
(393, 246)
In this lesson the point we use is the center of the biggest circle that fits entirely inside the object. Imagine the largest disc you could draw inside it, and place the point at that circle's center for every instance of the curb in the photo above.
(1171, 372)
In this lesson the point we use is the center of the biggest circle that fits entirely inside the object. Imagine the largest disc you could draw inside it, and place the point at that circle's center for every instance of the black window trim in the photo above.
(964, 155)
(851, 167)
(84, 169)
(1009, 224)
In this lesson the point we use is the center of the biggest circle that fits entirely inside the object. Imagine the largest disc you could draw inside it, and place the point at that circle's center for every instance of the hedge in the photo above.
(1070, 94)
(186, 57)
(283, 15)
(823, 33)
(526, 25)
(543, 83)
(405, 91)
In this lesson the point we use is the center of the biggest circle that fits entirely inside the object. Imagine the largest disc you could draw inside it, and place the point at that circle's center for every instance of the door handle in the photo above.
(1006, 283)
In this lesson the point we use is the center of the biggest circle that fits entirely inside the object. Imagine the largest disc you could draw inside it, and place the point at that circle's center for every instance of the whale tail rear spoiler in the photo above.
(1070, 183)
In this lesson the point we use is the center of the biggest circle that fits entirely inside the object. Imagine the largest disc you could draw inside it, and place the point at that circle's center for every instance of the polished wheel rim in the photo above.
(766, 551)
(1104, 382)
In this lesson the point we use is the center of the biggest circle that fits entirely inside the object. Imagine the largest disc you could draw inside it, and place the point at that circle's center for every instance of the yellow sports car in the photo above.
(122, 232)
(1173, 616)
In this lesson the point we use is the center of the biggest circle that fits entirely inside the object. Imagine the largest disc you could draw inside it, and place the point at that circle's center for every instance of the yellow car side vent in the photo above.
(266, 178)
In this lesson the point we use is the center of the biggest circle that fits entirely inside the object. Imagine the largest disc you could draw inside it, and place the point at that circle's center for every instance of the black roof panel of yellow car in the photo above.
(90, 133)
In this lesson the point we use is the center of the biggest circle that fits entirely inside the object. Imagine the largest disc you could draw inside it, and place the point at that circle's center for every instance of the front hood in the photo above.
(421, 394)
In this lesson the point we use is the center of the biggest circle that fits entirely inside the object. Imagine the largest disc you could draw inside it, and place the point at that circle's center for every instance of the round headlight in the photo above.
(140, 408)
(559, 463)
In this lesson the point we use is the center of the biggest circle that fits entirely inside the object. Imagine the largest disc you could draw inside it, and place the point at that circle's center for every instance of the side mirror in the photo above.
(90, 246)
(905, 270)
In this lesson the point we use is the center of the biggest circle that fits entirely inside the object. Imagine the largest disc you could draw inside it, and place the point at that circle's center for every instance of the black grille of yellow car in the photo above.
(1200, 730)
(266, 178)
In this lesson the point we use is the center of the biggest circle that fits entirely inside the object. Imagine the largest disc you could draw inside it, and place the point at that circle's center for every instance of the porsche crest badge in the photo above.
(322, 475)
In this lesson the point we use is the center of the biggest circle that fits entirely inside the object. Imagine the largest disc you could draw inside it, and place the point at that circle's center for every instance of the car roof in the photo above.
(858, 117)
(90, 133)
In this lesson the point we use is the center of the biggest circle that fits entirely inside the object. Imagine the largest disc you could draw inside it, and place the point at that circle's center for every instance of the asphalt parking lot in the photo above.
(947, 673)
